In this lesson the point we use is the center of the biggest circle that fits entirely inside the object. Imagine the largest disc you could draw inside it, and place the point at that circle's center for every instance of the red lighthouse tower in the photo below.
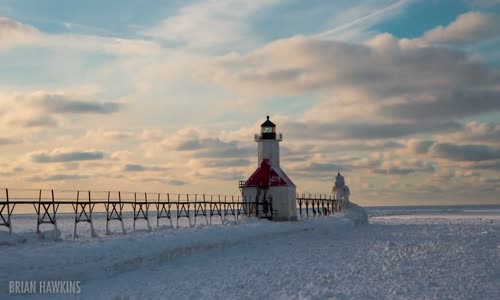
(269, 180)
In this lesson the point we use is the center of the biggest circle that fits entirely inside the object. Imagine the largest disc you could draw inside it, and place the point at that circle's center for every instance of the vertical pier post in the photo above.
(85, 215)
(169, 211)
(75, 208)
(112, 212)
(91, 220)
(158, 211)
(134, 206)
(121, 210)
(6, 221)
(147, 211)
(9, 211)
(205, 208)
(54, 211)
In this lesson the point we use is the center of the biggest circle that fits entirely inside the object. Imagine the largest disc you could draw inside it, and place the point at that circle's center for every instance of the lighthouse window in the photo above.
(267, 129)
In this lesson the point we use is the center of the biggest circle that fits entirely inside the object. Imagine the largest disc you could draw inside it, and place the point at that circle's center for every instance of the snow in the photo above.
(401, 253)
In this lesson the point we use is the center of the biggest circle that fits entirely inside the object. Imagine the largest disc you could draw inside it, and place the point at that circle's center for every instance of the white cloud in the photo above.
(467, 28)
(390, 79)
(13, 33)
(211, 24)
(354, 23)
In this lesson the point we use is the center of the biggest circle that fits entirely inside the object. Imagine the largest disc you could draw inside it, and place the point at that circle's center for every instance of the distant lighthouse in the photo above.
(269, 181)
(341, 192)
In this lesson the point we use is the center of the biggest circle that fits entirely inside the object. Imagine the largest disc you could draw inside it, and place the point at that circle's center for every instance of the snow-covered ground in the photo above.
(403, 253)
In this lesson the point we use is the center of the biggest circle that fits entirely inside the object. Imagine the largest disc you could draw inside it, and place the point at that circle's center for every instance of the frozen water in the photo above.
(401, 253)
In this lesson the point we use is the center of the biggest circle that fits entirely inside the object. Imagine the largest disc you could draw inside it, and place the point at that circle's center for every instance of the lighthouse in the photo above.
(341, 192)
(269, 182)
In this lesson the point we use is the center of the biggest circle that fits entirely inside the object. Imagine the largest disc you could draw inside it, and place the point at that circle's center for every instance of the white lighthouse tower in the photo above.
(341, 192)
(269, 180)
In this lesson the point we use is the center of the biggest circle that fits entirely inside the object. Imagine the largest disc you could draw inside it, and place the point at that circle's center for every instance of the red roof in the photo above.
(266, 176)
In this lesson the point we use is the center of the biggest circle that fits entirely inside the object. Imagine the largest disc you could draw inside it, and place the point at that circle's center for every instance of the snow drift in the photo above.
(446, 256)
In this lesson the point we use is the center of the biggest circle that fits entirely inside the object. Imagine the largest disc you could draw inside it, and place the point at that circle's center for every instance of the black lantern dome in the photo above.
(268, 130)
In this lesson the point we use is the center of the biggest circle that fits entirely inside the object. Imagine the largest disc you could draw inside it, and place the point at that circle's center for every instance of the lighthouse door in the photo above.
(263, 204)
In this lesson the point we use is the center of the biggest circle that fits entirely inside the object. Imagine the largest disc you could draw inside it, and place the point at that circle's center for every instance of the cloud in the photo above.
(199, 144)
(62, 104)
(14, 33)
(44, 109)
(493, 165)
(365, 130)
(404, 88)
(458, 104)
(325, 167)
(476, 132)
(7, 141)
(231, 175)
(34, 110)
(468, 152)
(142, 168)
(214, 147)
(404, 168)
(299, 149)
(10, 170)
(352, 22)
(174, 182)
(116, 135)
(227, 163)
(210, 24)
(57, 177)
(467, 28)
(354, 72)
(419, 146)
(34, 121)
(177, 182)
(65, 156)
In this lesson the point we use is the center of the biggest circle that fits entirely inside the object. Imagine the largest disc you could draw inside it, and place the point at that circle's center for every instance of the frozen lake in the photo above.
(449, 252)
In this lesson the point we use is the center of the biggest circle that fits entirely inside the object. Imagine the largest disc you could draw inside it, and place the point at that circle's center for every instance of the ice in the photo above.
(397, 253)
(7, 239)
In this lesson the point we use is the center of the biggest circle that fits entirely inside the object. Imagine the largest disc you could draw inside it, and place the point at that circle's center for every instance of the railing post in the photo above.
(91, 208)
(107, 212)
(188, 210)
(9, 210)
(177, 214)
(224, 208)
(195, 209)
(76, 213)
(54, 211)
(134, 207)
(121, 211)
(147, 211)
(221, 211)
(169, 210)
(205, 207)
(158, 211)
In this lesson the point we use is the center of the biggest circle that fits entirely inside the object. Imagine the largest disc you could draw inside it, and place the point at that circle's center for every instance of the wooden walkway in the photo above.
(147, 206)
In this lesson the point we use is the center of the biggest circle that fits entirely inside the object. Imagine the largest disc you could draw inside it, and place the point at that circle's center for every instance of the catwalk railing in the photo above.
(312, 205)
(147, 206)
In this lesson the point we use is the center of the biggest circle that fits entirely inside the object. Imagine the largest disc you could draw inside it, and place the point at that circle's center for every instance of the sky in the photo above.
(402, 97)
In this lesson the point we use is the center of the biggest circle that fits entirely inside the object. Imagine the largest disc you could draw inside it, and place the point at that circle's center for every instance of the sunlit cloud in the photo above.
(172, 103)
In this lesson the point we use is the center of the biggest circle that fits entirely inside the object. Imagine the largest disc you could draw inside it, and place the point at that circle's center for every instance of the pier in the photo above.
(147, 207)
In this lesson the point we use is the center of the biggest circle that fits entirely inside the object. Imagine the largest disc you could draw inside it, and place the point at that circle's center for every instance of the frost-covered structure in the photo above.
(269, 180)
(341, 192)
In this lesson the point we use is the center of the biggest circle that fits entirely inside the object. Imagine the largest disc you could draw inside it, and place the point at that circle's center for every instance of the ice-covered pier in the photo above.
(148, 206)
